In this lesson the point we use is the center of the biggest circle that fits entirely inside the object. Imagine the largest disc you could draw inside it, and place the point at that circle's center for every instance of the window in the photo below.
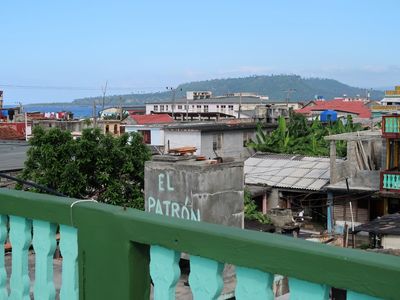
(115, 129)
(230, 107)
(223, 106)
(155, 108)
(162, 108)
(217, 141)
(166, 107)
(179, 106)
(146, 136)
(205, 108)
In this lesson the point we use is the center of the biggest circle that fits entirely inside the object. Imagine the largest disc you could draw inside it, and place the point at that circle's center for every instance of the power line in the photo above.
(78, 88)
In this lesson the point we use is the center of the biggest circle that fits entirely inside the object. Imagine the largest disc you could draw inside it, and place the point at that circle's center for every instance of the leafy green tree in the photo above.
(298, 136)
(109, 169)
(251, 211)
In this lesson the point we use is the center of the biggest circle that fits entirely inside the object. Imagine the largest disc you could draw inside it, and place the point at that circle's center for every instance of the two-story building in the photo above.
(203, 106)
(390, 176)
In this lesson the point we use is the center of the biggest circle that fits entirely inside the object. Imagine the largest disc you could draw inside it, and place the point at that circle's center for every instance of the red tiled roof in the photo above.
(354, 107)
(152, 119)
(136, 111)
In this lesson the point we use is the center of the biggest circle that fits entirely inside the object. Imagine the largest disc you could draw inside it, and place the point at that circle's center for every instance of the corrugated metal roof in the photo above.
(287, 171)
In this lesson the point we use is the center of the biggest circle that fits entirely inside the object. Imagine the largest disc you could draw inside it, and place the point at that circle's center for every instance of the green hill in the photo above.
(274, 86)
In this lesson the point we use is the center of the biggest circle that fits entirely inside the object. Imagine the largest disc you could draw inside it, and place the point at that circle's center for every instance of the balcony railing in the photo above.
(390, 181)
(391, 126)
(110, 253)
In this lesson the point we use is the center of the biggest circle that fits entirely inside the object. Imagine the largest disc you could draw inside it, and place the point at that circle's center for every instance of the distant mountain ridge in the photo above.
(273, 86)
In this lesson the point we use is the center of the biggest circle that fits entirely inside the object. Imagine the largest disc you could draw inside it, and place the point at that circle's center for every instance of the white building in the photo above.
(201, 106)
(211, 139)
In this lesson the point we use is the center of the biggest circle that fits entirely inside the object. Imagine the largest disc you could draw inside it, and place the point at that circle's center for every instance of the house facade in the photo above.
(388, 105)
(211, 139)
(390, 175)
(206, 107)
(354, 181)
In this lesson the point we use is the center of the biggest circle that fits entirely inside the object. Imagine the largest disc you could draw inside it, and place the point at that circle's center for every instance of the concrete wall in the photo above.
(183, 138)
(391, 242)
(194, 190)
(232, 144)
(273, 199)
(64, 125)
(353, 167)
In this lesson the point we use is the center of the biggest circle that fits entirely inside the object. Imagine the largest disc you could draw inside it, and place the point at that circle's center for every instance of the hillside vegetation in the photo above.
(274, 86)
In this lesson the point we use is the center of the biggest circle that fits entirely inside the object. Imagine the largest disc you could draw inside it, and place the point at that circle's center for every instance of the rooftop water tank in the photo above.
(328, 116)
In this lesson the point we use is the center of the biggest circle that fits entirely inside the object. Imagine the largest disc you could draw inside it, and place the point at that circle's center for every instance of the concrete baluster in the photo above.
(253, 284)
(164, 271)
(44, 244)
(390, 127)
(3, 273)
(394, 181)
(205, 278)
(357, 296)
(390, 181)
(300, 290)
(20, 238)
(69, 251)
(385, 181)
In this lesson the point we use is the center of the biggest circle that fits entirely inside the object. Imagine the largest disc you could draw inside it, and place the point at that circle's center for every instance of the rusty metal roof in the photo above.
(287, 171)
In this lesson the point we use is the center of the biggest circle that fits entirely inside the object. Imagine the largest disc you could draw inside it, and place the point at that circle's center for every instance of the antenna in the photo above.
(288, 93)
(104, 89)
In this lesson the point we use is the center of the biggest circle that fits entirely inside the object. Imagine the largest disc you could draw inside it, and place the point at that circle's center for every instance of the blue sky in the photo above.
(140, 46)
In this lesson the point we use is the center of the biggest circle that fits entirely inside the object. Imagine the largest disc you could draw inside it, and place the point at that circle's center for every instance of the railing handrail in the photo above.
(390, 172)
(107, 232)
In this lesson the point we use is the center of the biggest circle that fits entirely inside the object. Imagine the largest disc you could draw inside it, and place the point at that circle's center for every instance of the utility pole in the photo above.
(1, 100)
(187, 108)
(173, 99)
(240, 105)
(289, 92)
(368, 94)
(104, 89)
(94, 114)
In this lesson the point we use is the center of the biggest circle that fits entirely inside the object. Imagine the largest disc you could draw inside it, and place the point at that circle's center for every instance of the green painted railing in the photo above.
(110, 252)
(391, 124)
(390, 180)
